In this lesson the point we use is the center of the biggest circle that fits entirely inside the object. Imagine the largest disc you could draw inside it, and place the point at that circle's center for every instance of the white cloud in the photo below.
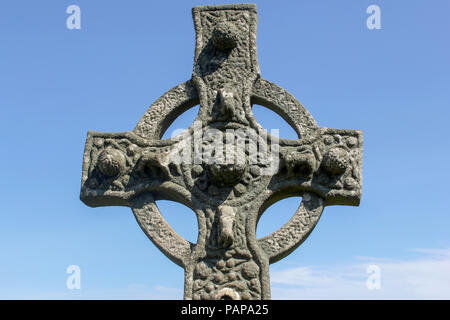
(425, 277)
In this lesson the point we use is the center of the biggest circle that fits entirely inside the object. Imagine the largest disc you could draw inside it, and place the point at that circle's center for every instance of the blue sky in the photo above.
(56, 84)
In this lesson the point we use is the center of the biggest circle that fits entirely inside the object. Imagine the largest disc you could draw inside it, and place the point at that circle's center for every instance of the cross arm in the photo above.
(329, 163)
(119, 166)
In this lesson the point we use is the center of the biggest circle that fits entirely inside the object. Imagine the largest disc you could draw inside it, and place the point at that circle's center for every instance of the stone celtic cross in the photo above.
(225, 166)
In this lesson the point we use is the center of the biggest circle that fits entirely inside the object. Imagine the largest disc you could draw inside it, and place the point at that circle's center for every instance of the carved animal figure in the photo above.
(300, 162)
(158, 160)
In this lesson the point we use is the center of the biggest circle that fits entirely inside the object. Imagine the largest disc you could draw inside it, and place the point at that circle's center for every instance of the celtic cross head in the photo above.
(225, 166)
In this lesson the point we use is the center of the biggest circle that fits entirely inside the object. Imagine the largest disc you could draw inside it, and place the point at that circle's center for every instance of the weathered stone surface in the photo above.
(225, 167)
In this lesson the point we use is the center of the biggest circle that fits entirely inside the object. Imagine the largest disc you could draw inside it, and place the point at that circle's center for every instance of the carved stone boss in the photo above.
(137, 168)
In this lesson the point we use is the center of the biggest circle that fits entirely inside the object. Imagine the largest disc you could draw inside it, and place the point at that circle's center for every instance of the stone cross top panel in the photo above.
(225, 166)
